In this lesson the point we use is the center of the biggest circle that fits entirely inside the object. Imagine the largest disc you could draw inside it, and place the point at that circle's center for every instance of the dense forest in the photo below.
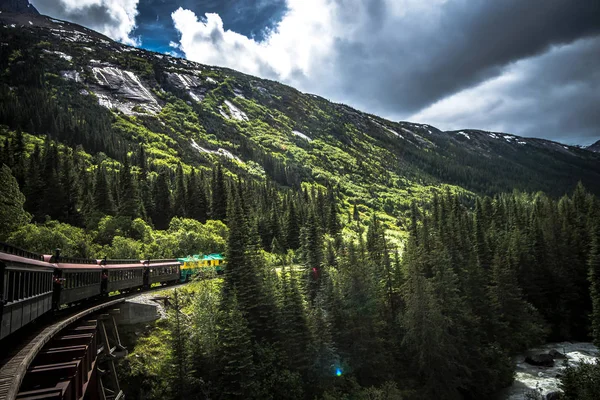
(314, 302)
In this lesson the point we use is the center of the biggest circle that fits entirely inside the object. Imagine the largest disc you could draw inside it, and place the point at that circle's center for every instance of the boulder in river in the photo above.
(540, 360)
(556, 354)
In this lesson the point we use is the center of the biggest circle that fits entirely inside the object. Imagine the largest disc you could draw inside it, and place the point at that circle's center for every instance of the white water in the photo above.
(529, 377)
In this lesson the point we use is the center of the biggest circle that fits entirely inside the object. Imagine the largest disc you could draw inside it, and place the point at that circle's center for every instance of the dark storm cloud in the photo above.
(555, 95)
(403, 65)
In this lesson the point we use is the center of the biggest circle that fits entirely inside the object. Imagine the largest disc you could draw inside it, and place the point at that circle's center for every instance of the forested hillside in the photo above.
(366, 259)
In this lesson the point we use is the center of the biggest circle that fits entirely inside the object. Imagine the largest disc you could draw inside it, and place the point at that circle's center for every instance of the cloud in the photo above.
(392, 57)
(555, 95)
(114, 18)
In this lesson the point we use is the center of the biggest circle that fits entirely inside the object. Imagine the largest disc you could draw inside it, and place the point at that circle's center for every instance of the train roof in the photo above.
(9, 253)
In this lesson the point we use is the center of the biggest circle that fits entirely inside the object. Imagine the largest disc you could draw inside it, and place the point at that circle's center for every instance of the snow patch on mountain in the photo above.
(302, 135)
(464, 134)
(219, 152)
(234, 112)
(73, 36)
(71, 75)
(60, 54)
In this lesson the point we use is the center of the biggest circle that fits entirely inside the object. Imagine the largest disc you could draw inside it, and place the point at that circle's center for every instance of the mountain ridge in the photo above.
(245, 120)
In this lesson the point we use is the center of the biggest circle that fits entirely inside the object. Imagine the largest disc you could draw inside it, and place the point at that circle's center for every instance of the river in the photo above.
(529, 377)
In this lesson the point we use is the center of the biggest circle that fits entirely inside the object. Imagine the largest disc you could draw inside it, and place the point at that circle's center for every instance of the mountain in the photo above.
(594, 147)
(18, 6)
(80, 88)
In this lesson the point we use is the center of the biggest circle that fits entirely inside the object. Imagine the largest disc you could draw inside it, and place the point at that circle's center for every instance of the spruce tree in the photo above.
(102, 196)
(312, 250)
(295, 330)
(292, 228)
(218, 204)
(235, 352)
(129, 200)
(162, 212)
(12, 214)
(70, 192)
(594, 279)
(196, 198)
(34, 187)
(180, 194)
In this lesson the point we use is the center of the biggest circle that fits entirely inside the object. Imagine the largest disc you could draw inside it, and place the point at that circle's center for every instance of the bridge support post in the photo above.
(108, 381)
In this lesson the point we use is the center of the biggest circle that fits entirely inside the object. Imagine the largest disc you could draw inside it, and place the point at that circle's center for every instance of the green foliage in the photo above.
(581, 382)
(12, 215)
(44, 238)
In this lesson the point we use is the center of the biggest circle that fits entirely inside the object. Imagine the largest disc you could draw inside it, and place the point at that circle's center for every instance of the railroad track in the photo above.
(16, 360)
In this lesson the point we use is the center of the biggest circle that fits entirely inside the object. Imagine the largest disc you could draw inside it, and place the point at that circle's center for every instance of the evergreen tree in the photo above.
(129, 199)
(292, 228)
(236, 353)
(218, 204)
(180, 194)
(594, 278)
(196, 198)
(161, 215)
(102, 196)
(312, 250)
(181, 376)
(295, 330)
(69, 193)
(12, 214)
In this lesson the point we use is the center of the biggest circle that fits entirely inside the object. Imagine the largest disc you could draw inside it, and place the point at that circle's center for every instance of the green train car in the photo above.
(191, 265)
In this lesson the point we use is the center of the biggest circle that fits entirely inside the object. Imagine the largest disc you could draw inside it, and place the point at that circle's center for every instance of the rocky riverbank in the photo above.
(549, 363)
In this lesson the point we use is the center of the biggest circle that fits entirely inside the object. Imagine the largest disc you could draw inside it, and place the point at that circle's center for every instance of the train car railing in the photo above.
(15, 251)
(73, 260)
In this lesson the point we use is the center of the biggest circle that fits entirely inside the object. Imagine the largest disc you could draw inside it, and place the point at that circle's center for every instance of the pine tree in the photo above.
(162, 212)
(218, 204)
(594, 278)
(70, 191)
(102, 196)
(333, 223)
(180, 194)
(12, 214)
(181, 377)
(295, 331)
(236, 352)
(292, 228)
(196, 198)
(236, 245)
(312, 250)
(50, 203)
(129, 200)
(34, 187)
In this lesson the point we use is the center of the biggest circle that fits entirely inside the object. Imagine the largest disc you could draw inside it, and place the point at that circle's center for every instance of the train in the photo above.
(33, 285)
